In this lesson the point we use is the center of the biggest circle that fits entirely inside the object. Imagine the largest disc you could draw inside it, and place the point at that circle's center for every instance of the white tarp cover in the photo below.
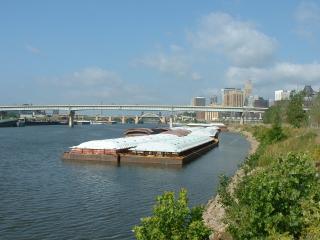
(157, 142)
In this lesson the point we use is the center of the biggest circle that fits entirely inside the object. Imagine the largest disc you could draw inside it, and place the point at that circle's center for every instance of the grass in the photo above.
(300, 140)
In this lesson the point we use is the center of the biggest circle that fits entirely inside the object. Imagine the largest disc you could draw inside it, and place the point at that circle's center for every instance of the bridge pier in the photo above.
(171, 122)
(163, 120)
(71, 118)
(110, 119)
(123, 120)
(136, 120)
(242, 119)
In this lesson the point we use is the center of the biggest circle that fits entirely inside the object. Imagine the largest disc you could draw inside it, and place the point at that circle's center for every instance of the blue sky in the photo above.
(154, 51)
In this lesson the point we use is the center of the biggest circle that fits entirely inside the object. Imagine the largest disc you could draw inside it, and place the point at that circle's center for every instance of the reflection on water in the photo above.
(43, 197)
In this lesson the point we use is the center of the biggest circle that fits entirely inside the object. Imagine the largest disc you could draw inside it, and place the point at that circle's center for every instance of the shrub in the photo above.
(173, 219)
(273, 201)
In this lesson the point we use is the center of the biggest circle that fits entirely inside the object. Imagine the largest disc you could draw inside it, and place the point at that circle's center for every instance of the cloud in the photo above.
(307, 16)
(281, 75)
(94, 76)
(95, 84)
(33, 49)
(175, 63)
(239, 41)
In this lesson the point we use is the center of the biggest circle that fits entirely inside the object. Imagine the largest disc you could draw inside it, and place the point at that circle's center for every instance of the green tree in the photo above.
(295, 114)
(173, 219)
(276, 112)
(271, 203)
(315, 110)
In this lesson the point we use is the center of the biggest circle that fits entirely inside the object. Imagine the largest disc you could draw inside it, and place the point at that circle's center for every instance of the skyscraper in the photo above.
(232, 97)
(199, 101)
(213, 99)
(247, 88)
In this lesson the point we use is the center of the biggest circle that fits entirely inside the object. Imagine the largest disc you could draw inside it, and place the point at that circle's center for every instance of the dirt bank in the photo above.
(214, 213)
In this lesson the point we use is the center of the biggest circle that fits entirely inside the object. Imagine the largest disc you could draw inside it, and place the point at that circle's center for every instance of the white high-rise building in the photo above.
(281, 95)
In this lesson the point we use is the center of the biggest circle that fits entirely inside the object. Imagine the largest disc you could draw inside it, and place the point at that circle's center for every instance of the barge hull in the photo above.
(92, 157)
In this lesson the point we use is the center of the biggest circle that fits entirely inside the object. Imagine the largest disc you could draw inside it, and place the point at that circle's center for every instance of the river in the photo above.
(43, 197)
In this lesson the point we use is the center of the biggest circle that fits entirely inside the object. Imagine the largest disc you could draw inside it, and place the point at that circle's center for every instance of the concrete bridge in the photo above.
(122, 107)
(136, 118)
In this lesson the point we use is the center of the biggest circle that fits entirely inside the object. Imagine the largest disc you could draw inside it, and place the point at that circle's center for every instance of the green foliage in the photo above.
(173, 219)
(275, 134)
(295, 114)
(281, 201)
(225, 197)
(275, 113)
(315, 111)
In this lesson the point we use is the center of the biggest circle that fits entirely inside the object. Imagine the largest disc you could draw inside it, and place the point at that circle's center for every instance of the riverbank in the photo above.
(286, 204)
(214, 212)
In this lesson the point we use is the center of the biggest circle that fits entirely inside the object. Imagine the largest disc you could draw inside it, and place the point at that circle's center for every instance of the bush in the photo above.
(173, 219)
(276, 202)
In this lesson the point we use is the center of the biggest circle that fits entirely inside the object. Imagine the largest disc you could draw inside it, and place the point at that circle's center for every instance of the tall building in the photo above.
(213, 100)
(199, 101)
(247, 88)
(280, 95)
(232, 97)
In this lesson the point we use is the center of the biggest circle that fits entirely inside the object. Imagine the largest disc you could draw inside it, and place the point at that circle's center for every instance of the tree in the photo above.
(315, 110)
(173, 219)
(275, 112)
(295, 114)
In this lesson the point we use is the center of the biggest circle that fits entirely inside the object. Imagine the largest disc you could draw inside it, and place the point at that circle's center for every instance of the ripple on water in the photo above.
(43, 197)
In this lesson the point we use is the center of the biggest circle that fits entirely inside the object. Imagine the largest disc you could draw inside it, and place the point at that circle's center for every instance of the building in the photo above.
(280, 95)
(247, 88)
(256, 101)
(260, 102)
(309, 95)
(213, 100)
(199, 101)
(211, 116)
(232, 97)
(308, 91)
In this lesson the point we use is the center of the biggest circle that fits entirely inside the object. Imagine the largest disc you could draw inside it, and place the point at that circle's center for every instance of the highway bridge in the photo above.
(121, 107)
(72, 108)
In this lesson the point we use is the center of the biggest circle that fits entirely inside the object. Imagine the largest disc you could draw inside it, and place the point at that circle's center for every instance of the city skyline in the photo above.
(160, 52)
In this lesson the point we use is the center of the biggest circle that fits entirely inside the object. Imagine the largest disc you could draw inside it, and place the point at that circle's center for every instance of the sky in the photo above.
(154, 52)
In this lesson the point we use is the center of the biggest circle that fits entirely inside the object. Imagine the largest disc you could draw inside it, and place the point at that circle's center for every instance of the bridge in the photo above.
(72, 108)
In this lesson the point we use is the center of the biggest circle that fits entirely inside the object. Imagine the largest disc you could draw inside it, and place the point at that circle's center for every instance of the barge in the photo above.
(175, 146)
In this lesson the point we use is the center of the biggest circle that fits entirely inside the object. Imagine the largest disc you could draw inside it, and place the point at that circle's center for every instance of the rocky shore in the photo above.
(214, 212)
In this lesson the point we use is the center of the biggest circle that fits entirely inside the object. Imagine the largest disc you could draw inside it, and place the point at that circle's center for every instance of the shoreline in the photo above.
(214, 212)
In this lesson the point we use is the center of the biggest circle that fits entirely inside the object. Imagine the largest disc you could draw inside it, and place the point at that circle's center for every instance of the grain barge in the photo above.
(175, 146)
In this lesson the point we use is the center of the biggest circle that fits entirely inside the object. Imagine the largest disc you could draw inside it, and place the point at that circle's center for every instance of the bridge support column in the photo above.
(97, 118)
(163, 120)
(110, 119)
(71, 118)
(242, 119)
(123, 120)
(136, 120)
(260, 116)
(171, 122)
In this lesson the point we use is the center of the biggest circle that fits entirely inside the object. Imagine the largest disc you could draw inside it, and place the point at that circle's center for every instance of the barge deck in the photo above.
(146, 159)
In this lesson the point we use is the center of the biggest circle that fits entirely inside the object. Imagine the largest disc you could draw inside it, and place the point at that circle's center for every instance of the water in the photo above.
(42, 197)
